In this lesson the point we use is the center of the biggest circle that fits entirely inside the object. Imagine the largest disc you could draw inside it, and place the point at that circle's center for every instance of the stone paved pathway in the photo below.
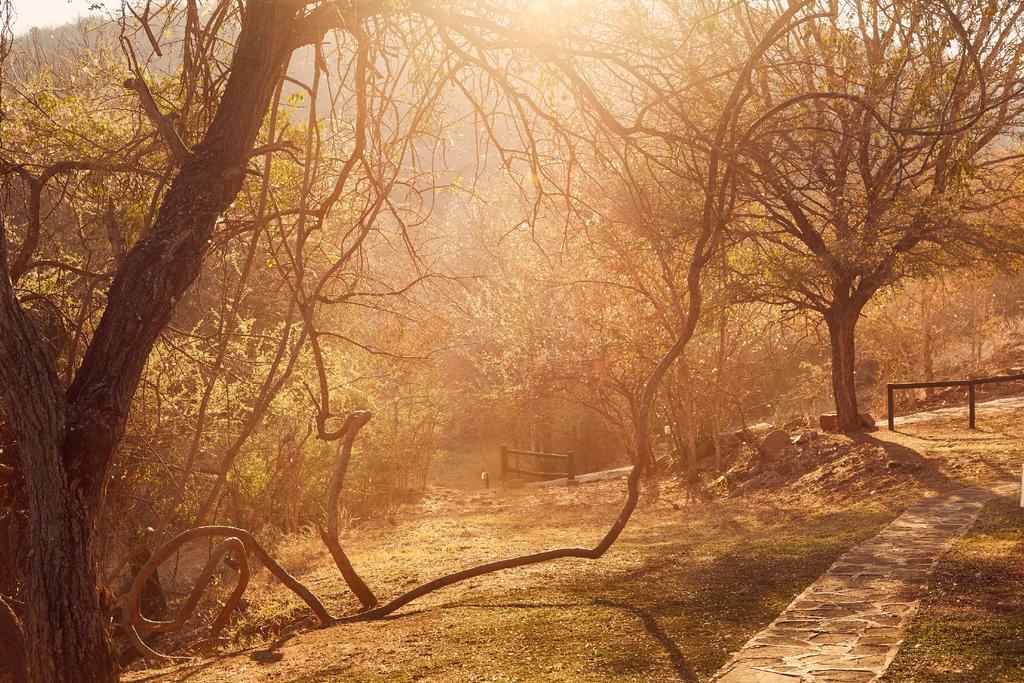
(849, 623)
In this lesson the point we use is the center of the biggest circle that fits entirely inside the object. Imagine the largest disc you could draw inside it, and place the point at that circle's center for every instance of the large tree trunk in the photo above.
(158, 270)
(64, 629)
(841, 324)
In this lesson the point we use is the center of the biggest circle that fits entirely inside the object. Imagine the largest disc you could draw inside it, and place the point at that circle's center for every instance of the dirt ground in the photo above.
(687, 584)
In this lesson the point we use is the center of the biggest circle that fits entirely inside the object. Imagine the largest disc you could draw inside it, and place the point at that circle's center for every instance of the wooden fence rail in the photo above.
(969, 383)
(510, 463)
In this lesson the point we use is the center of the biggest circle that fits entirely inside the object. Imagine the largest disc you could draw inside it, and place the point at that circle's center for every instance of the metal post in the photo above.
(570, 465)
(504, 462)
(889, 405)
(970, 400)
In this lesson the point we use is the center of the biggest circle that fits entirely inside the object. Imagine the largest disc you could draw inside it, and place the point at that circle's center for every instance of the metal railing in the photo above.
(510, 463)
(969, 383)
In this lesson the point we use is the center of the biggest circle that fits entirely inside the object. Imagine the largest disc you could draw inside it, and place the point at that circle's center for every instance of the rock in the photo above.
(829, 422)
(720, 481)
(746, 487)
(730, 441)
(806, 437)
(774, 442)
(753, 432)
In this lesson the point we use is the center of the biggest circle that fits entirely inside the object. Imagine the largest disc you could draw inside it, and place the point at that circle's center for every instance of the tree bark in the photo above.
(718, 424)
(841, 325)
(62, 620)
(329, 535)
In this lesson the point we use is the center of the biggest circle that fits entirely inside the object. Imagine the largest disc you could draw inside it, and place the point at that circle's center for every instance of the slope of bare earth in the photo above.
(688, 583)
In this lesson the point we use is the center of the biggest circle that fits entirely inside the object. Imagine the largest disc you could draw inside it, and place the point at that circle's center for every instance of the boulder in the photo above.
(829, 422)
(753, 432)
(805, 437)
(730, 441)
(774, 442)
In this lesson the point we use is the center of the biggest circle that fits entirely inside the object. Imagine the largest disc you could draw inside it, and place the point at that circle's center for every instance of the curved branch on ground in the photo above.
(135, 621)
(243, 542)
(238, 540)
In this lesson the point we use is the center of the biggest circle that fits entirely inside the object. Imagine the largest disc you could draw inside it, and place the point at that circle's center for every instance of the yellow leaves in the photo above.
(46, 102)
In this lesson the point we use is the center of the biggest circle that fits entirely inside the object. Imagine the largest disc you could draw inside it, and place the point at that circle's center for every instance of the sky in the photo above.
(42, 13)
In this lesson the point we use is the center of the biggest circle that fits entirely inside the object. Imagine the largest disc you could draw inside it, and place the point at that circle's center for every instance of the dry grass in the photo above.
(298, 553)
(686, 585)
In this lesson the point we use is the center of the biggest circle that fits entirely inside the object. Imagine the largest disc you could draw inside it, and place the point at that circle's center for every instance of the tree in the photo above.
(66, 437)
(880, 153)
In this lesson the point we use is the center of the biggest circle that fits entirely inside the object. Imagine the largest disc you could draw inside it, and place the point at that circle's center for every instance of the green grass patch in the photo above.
(970, 627)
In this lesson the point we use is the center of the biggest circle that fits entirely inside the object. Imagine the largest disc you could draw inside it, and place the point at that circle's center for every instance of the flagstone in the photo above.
(848, 625)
